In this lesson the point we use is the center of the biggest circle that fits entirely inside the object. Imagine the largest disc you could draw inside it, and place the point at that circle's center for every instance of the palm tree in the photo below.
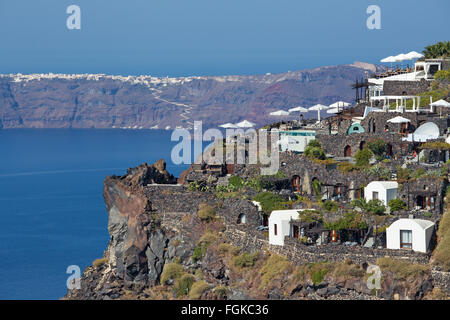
(437, 50)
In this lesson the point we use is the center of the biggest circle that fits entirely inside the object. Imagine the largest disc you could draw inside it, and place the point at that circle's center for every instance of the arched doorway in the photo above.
(296, 184)
(242, 219)
(347, 151)
(362, 144)
(372, 125)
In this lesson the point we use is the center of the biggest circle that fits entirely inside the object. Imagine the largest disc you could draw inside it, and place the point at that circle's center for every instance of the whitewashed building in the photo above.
(414, 234)
(295, 140)
(381, 190)
(279, 226)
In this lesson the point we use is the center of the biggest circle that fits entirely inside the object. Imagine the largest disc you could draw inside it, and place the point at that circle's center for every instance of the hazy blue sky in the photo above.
(202, 37)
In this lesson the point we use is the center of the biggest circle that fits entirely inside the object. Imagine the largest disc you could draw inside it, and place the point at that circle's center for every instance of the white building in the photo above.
(412, 234)
(381, 190)
(295, 140)
(279, 226)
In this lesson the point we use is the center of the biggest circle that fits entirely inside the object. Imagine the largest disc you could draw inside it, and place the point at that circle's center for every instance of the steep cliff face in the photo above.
(99, 101)
(156, 227)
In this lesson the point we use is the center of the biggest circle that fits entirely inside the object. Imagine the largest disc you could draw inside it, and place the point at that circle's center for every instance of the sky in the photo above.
(210, 37)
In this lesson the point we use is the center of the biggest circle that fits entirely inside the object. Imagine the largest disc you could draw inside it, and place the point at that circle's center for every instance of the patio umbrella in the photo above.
(339, 104)
(334, 110)
(245, 124)
(279, 113)
(228, 126)
(389, 59)
(318, 108)
(401, 57)
(413, 55)
(298, 109)
(398, 119)
(440, 103)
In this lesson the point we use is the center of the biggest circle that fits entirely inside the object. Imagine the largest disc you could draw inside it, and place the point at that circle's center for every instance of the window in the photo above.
(275, 229)
(242, 218)
(375, 195)
(339, 190)
(406, 239)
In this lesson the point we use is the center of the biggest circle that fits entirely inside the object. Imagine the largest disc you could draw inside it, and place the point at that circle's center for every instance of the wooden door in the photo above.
(295, 231)
(348, 151)
(296, 184)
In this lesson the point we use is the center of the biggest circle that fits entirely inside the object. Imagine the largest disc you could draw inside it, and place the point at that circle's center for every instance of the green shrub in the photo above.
(441, 255)
(346, 167)
(224, 248)
(310, 216)
(245, 259)
(402, 270)
(221, 291)
(314, 144)
(375, 206)
(274, 266)
(236, 182)
(183, 284)
(330, 206)
(348, 270)
(362, 157)
(206, 212)
(317, 187)
(442, 75)
(99, 262)
(235, 250)
(402, 174)
(315, 153)
(198, 253)
(350, 220)
(359, 203)
(314, 150)
(197, 289)
(269, 202)
(318, 272)
(377, 146)
(418, 173)
(208, 238)
(171, 271)
(397, 205)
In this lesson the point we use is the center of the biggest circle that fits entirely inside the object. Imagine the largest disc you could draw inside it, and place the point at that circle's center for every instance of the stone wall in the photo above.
(337, 144)
(409, 88)
(297, 165)
(425, 187)
(169, 200)
(441, 280)
(298, 253)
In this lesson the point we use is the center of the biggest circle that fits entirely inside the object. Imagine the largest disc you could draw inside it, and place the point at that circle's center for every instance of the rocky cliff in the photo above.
(169, 242)
(101, 101)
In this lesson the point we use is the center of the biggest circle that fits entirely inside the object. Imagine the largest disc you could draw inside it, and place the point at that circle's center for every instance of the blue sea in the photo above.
(51, 206)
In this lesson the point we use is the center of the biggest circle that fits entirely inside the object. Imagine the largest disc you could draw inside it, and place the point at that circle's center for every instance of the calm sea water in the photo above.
(51, 206)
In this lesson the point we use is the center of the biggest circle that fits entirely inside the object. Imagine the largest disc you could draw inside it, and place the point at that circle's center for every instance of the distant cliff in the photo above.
(101, 101)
